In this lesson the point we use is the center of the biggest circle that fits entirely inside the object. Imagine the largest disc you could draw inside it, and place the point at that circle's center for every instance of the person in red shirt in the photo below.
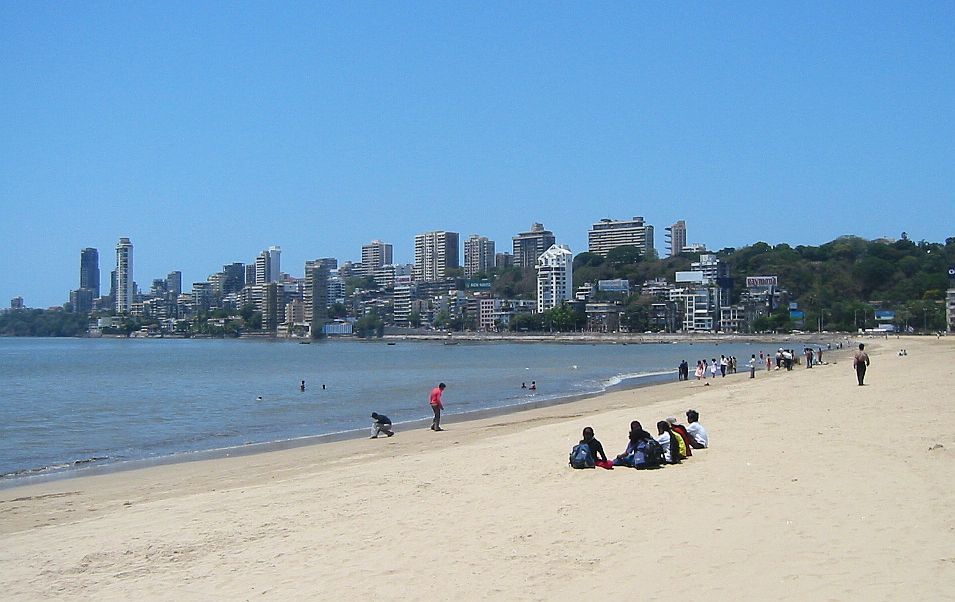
(437, 406)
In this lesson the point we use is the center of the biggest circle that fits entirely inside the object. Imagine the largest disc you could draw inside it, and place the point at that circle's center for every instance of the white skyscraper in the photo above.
(555, 277)
(124, 275)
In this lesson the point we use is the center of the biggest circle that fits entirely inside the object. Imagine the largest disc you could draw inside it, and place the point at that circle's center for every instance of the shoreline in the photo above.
(104, 464)
(84, 468)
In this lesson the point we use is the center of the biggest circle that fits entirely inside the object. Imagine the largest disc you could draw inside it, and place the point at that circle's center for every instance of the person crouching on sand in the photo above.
(382, 424)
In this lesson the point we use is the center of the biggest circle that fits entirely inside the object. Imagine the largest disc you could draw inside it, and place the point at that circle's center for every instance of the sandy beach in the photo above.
(814, 489)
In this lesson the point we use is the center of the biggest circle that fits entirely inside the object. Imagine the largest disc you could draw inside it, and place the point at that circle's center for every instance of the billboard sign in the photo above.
(884, 314)
(478, 285)
(757, 281)
(689, 276)
(796, 314)
(618, 285)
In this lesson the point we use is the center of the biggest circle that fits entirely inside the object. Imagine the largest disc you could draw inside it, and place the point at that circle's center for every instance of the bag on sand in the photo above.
(580, 456)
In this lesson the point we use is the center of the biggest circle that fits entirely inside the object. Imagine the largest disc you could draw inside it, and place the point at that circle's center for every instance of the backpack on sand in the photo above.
(580, 456)
(649, 454)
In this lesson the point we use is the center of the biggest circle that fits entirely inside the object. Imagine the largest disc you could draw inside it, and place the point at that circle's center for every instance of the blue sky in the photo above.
(206, 131)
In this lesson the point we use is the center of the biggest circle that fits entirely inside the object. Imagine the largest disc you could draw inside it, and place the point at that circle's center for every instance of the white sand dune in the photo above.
(814, 489)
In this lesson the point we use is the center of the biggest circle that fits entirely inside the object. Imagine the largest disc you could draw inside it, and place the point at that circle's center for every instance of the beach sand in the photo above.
(814, 489)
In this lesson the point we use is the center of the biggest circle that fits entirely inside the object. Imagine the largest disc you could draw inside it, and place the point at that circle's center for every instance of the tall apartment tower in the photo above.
(315, 296)
(89, 270)
(268, 266)
(528, 246)
(374, 255)
(174, 283)
(609, 234)
(676, 238)
(555, 277)
(124, 276)
(434, 254)
(275, 263)
(478, 255)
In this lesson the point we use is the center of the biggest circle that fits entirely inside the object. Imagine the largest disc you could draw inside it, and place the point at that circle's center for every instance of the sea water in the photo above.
(68, 403)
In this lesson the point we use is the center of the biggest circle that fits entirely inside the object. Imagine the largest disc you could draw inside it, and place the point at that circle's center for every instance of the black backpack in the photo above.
(580, 456)
(652, 453)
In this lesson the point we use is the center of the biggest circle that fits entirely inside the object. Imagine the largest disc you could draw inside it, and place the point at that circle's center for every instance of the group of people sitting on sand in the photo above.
(674, 443)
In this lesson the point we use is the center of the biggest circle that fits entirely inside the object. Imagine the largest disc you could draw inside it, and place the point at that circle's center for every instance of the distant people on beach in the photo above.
(683, 370)
(860, 361)
(752, 366)
(724, 363)
(381, 424)
(696, 430)
(301, 387)
(713, 368)
(533, 386)
(437, 406)
(523, 385)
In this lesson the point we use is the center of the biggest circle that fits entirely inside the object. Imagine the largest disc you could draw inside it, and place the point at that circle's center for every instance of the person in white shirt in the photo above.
(696, 429)
(664, 441)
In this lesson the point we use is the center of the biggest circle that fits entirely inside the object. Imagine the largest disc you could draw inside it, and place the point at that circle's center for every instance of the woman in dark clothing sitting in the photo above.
(637, 434)
(595, 446)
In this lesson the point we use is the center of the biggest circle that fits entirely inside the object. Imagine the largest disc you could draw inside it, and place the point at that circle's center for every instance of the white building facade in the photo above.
(124, 276)
(608, 234)
(555, 277)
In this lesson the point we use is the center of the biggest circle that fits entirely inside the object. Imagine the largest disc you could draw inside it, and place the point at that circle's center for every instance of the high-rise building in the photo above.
(234, 280)
(374, 255)
(528, 246)
(315, 296)
(202, 296)
(275, 263)
(174, 284)
(676, 238)
(555, 277)
(268, 266)
(478, 255)
(434, 254)
(609, 234)
(89, 270)
(82, 300)
(125, 289)
(16, 303)
(503, 260)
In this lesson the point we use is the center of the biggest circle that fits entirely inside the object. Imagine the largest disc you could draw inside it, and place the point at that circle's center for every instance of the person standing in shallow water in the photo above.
(860, 361)
(437, 406)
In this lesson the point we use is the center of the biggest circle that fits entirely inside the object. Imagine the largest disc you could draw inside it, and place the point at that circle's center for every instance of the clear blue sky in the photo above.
(206, 132)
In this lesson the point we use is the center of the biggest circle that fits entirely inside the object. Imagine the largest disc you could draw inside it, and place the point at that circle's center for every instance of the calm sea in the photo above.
(73, 403)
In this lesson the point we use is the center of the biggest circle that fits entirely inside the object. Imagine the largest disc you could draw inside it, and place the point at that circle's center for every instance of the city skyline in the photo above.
(206, 136)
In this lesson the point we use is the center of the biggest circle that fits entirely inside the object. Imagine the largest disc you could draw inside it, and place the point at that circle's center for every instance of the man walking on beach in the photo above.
(860, 361)
(437, 406)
